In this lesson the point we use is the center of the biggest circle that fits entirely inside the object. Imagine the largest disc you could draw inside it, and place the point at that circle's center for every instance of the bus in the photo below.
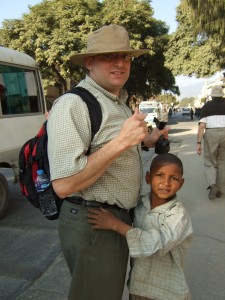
(22, 111)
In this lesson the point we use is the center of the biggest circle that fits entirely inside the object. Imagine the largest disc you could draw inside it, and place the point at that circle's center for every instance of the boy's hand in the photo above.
(105, 220)
(102, 219)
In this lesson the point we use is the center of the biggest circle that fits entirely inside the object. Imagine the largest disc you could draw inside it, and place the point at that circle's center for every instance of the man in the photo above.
(192, 113)
(3, 99)
(109, 177)
(212, 127)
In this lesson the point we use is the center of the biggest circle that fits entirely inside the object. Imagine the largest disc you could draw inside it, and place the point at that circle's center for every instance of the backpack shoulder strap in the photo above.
(93, 105)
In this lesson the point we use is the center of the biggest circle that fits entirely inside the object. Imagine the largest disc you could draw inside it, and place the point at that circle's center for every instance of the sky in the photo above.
(13, 9)
(164, 10)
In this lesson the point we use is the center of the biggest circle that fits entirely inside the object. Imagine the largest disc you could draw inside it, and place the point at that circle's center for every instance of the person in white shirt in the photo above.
(160, 237)
(211, 129)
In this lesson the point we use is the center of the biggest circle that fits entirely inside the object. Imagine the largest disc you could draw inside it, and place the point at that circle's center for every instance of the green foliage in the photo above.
(51, 33)
(168, 99)
(186, 102)
(54, 30)
(210, 23)
(149, 76)
(188, 55)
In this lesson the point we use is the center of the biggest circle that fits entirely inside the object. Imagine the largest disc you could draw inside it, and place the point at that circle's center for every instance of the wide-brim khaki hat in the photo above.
(216, 91)
(107, 39)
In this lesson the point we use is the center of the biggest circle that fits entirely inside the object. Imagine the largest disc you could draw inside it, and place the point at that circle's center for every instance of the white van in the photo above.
(22, 110)
(153, 109)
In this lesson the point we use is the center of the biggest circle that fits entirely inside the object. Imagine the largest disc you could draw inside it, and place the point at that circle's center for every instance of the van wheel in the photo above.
(4, 195)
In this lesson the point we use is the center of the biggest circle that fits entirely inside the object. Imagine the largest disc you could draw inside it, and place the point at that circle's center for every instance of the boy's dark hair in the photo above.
(164, 159)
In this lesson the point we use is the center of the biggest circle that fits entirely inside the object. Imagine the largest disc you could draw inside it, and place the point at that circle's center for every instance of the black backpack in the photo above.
(33, 156)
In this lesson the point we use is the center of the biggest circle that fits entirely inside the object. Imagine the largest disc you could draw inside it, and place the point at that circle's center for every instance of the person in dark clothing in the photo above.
(3, 99)
(191, 113)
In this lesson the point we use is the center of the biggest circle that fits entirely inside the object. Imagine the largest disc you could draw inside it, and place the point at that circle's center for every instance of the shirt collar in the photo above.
(161, 208)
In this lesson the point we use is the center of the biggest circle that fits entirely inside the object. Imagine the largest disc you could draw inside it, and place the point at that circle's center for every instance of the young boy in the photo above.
(160, 237)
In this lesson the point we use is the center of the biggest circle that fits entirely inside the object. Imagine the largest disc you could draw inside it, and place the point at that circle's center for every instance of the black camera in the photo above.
(162, 145)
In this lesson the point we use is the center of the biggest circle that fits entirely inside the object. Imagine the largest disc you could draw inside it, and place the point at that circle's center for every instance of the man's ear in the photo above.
(88, 63)
(147, 177)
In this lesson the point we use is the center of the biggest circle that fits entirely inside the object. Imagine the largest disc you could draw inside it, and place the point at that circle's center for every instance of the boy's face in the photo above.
(165, 181)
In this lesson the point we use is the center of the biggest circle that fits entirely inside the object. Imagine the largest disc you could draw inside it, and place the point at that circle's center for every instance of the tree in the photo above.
(187, 102)
(210, 23)
(148, 76)
(190, 55)
(168, 99)
(59, 30)
(61, 27)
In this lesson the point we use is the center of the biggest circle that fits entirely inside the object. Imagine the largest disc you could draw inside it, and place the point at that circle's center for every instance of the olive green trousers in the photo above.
(97, 259)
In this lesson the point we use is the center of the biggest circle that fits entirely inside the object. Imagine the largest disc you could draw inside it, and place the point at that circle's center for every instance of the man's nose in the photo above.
(119, 60)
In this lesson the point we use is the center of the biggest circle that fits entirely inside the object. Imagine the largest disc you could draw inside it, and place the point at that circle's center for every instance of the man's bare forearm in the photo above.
(97, 164)
(133, 131)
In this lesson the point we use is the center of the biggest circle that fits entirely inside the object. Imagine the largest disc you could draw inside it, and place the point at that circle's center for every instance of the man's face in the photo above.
(110, 71)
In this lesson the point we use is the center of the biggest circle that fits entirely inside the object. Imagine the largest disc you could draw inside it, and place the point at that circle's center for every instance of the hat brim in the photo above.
(78, 58)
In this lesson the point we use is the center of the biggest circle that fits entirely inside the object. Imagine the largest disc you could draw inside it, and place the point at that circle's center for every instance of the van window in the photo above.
(148, 110)
(18, 91)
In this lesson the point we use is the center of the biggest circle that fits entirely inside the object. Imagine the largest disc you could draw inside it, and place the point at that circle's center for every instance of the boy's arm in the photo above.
(161, 237)
(105, 220)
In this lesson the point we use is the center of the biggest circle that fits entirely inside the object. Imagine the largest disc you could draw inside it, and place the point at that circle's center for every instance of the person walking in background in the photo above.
(211, 129)
(161, 235)
(109, 177)
(191, 113)
(3, 99)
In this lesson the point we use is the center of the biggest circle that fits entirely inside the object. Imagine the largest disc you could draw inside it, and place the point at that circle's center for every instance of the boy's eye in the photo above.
(159, 174)
(175, 178)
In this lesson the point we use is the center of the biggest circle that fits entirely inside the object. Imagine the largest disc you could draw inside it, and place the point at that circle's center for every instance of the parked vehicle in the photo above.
(153, 109)
(186, 111)
(22, 110)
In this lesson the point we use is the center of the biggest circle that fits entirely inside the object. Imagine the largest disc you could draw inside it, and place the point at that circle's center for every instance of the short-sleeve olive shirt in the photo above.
(69, 136)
